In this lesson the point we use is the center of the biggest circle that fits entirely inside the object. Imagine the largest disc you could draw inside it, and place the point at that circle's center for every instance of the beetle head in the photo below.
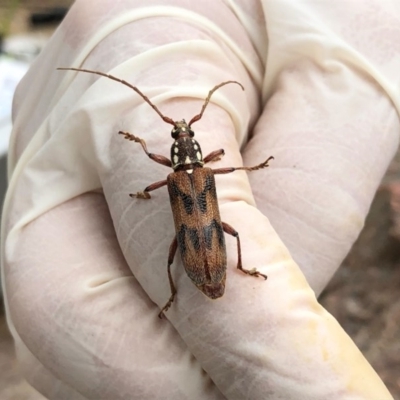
(181, 129)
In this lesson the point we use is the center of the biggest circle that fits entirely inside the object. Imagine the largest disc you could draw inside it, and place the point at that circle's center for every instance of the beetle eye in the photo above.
(174, 132)
(191, 133)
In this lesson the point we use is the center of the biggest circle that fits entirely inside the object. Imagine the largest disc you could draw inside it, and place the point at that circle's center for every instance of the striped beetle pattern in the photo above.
(199, 231)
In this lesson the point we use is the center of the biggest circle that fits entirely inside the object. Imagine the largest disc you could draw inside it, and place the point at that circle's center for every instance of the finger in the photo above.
(59, 144)
(331, 153)
(263, 314)
(330, 122)
(39, 377)
(79, 315)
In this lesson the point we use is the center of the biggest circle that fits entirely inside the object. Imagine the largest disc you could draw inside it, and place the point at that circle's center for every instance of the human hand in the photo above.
(85, 326)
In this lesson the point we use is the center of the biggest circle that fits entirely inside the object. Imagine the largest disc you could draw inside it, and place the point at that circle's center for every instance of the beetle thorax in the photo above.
(185, 152)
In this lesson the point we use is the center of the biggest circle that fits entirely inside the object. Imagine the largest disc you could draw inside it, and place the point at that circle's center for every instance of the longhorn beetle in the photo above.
(192, 192)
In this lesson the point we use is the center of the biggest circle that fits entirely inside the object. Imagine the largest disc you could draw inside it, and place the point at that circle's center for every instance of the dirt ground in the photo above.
(364, 294)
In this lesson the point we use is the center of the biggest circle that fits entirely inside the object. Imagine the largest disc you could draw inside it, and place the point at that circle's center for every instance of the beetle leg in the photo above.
(145, 194)
(214, 156)
(172, 251)
(232, 169)
(230, 231)
(155, 157)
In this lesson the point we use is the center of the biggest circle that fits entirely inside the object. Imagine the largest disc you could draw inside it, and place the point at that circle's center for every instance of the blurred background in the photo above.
(364, 293)
(25, 27)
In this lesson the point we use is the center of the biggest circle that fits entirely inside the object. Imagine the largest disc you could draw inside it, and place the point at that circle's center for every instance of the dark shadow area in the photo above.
(364, 293)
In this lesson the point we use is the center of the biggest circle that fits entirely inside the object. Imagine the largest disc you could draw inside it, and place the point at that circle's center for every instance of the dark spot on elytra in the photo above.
(185, 234)
(181, 239)
(201, 198)
(208, 234)
(194, 238)
(188, 202)
(220, 233)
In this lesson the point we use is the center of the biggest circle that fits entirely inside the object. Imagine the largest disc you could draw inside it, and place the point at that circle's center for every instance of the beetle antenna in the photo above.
(142, 95)
(207, 100)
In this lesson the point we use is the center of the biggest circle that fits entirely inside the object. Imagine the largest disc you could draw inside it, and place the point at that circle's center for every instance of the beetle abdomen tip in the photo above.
(213, 290)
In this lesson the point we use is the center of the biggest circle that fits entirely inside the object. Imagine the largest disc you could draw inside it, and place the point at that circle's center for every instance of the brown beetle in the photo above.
(193, 197)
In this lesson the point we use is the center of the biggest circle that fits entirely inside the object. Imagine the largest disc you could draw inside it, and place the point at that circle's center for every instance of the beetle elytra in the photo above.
(199, 231)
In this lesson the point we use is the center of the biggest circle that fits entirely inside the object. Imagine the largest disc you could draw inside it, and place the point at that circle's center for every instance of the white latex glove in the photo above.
(85, 324)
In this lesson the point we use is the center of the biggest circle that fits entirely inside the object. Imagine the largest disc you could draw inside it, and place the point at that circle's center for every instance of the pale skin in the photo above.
(90, 275)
